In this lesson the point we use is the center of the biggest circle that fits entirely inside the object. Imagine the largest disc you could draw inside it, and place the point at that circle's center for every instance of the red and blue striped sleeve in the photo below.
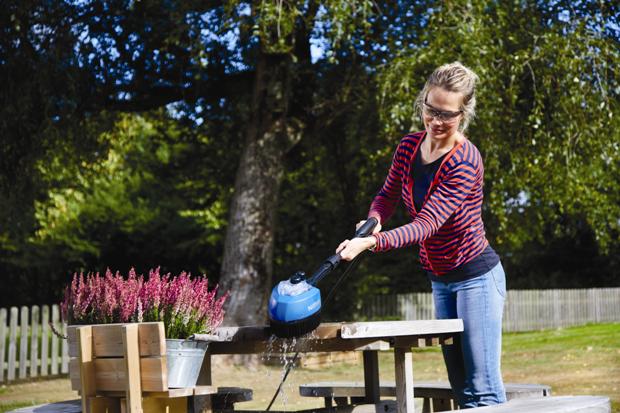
(449, 195)
(384, 203)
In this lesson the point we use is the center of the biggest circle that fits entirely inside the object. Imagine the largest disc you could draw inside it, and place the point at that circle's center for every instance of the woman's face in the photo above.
(442, 113)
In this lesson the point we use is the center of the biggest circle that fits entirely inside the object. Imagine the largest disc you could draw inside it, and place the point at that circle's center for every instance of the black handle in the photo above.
(332, 262)
(366, 228)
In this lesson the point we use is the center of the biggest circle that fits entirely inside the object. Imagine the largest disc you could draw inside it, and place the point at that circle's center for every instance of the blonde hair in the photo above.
(453, 77)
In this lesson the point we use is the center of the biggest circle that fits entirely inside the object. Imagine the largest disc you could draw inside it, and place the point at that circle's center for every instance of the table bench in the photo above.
(555, 404)
(223, 400)
(436, 394)
(226, 397)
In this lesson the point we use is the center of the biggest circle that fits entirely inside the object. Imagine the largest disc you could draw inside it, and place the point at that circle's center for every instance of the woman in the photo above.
(438, 173)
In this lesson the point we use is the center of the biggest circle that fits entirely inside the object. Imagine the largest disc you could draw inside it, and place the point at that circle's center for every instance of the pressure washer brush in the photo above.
(295, 303)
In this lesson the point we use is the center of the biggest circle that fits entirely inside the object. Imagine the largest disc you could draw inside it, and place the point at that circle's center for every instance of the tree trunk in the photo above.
(247, 266)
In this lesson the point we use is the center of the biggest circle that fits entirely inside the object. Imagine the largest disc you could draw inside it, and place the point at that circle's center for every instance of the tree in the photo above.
(546, 114)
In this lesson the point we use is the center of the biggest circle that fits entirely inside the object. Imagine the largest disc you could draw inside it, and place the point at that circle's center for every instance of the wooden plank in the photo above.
(170, 393)
(45, 318)
(3, 331)
(304, 346)
(260, 333)
(64, 366)
(108, 339)
(403, 371)
(162, 405)
(385, 406)
(74, 373)
(34, 341)
(72, 340)
(110, 374)
(379, 329)
(133, 389)
(23, 342)
(105, 404)
(12, 343)
(87, 368)
(371, 377)
(423, 389)
(555, 404)
(55, 338)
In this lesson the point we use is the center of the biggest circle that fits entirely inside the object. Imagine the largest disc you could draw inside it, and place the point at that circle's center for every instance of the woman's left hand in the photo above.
(349, 249)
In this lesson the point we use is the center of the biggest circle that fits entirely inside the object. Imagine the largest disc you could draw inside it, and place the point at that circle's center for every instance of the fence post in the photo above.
(55, 324)
(34, 341)
(45, 318)
(2, 341)
(12, 343)
(23, 342)
(64, 368)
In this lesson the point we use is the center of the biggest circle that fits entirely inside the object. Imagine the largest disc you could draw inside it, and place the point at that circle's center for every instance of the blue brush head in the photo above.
(290, 308)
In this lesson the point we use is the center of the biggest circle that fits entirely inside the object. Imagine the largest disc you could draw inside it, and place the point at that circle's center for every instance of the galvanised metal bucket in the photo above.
(183, 360)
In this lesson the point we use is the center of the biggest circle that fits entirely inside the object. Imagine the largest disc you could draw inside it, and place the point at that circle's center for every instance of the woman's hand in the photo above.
(349, 249)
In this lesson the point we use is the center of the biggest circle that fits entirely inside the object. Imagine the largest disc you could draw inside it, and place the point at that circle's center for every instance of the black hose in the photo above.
(288, 370)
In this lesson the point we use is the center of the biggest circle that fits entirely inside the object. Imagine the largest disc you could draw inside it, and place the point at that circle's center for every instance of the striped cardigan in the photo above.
(449, 227)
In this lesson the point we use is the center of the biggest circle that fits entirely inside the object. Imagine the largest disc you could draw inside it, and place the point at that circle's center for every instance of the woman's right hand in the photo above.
(374, 231)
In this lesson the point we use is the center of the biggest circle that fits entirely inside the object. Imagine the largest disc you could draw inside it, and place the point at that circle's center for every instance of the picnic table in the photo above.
(367, 337)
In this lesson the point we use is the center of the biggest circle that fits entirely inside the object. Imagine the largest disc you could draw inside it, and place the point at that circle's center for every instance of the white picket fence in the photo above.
(28, 348)
(524, 310)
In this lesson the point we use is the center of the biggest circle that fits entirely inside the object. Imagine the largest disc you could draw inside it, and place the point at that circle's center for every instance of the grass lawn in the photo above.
(577, 360)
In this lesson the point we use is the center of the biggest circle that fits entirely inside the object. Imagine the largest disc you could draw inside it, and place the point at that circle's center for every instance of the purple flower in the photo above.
(184, 304)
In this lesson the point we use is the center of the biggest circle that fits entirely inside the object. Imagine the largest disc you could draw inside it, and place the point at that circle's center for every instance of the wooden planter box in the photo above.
(122, 367)
(108, 354)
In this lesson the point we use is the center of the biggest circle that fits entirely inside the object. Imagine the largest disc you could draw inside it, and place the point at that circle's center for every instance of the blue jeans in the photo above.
(473, 361)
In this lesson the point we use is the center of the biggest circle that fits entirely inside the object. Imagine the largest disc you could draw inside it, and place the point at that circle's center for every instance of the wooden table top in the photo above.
(343, 336)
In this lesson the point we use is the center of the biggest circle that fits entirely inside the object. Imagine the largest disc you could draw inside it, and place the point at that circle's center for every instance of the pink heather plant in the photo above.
(185, 305)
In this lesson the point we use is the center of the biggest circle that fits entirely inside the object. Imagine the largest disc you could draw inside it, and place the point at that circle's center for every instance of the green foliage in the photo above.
(546, 126)
(276, 22)
(142, 202)
(119, 142)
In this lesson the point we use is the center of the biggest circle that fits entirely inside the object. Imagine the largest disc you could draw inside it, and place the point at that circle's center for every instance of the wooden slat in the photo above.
(281, 346)
(258, 333)
(371, 377)
(165, 405)
(3, 331)
(403, 371)
(108, 341)
(72, 340)
(400, 328)
(12, 343)
(110, 374)
(87, 368)
(45, 318)
(133, 390)
(105, 404)
(34, 341)
(556, 404)
(64, 366)
(74, 373)
(55, 338)
(424, 389)
(23, 342)
(180, 392)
